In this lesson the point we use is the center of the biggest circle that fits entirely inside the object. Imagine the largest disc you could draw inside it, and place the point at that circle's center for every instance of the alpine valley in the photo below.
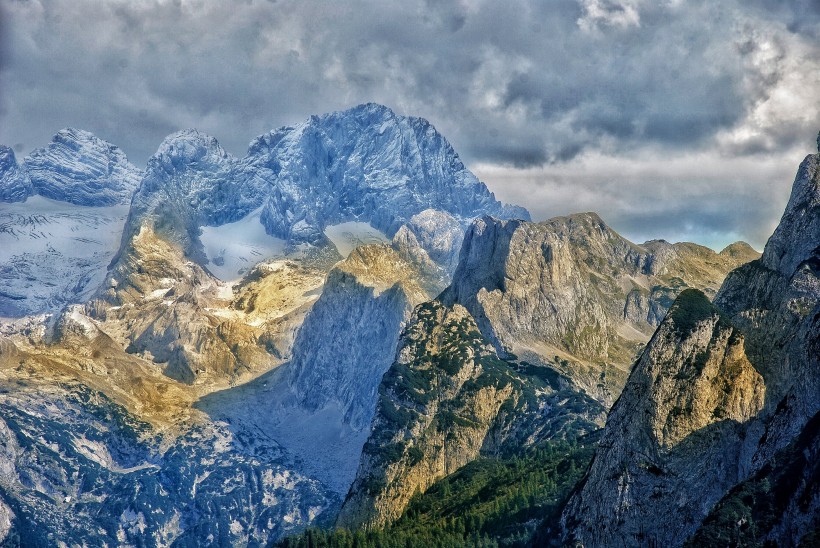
(344, 339)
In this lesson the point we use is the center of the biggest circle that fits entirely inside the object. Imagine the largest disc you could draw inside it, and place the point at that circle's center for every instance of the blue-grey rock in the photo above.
(15, 185)
(366, 163)
(348, 339)
(82, 169)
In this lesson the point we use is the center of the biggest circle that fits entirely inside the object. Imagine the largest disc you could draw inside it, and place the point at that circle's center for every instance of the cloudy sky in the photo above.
(683, 120)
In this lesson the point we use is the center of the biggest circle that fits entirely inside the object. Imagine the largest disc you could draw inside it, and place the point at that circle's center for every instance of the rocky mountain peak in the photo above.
(774, 301)
(446, 399)
(15, 185)
(740, 251)
(653, 476)
(7, 159)
(337, 167)
(572, 287)
(365, 164)
(187, 148)
(483, 258)
(72, 199)
(795, 240)
(82, 169)
(190, 182)
(690, 309)
(188, 166)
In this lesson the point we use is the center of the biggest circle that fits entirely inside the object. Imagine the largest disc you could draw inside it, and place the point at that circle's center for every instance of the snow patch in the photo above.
(156, 294)
(234, 248)
(81, 319)
(348, 236)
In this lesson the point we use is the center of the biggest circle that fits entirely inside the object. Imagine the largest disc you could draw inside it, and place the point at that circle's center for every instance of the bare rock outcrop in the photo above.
(573, 293)
(665, 455)
(168, 309)
(348, 339)
(747, 474)
(446, 400)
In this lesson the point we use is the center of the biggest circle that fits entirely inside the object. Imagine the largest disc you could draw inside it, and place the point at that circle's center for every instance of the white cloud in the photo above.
(608, 13)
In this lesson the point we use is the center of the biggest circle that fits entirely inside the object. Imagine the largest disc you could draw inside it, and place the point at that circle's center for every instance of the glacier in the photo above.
(62, 212)
(234, 248)
(53, 253)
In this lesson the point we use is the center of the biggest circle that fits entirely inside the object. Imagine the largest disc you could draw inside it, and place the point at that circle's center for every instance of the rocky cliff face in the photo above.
(159, 301)
(82, 169)
(774, 300)
(349, 338)
(15, 185)
(368, 164)
(772, 305)
(169, 310)
(664, 457)
(573, 293)
(778, 505)
(79, 467)
(776, 303)
(445, 400)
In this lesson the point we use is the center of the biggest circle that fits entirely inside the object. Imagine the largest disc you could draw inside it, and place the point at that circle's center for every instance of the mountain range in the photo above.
(345, 328)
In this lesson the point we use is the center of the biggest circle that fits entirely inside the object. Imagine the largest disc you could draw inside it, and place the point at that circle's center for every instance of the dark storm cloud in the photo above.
(800, 16)
(565, 75)
(521, 83)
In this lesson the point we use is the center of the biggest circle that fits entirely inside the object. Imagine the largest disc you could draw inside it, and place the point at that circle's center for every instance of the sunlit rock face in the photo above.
(448, 399)
(714, 410)
(674, 442)
(573, 293)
